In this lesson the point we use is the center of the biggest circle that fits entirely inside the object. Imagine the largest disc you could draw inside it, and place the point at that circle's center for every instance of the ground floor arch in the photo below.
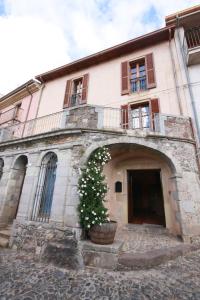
(147, 187)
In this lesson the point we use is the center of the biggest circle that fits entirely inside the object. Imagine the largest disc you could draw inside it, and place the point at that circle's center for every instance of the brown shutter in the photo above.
(125, 77)
(124, 116)
(151, 82)
(85, 89)
(67, 94)
(154, 110)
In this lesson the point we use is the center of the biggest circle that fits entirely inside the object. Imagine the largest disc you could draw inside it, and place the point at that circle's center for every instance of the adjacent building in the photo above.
(140, 99)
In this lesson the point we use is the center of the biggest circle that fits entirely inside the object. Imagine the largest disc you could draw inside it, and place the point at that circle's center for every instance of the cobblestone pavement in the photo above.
(21, 278)
(142, 238)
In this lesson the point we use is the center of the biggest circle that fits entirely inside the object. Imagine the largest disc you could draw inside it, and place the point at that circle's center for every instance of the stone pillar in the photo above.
(29, 187)
(71, 218)
(4, 183)
(188, 193)
(61, 186)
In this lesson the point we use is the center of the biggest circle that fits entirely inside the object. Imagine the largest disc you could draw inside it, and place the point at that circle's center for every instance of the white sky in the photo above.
(38, 35)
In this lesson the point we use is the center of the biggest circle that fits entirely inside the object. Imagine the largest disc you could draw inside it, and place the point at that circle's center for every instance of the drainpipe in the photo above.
(174, 73)
(42, 85)
(194, 111)
(29, 106)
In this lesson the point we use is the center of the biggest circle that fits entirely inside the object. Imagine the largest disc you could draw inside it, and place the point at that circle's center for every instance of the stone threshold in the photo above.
(112, 258)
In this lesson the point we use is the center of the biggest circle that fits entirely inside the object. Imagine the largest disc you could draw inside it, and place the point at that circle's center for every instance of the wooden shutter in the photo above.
(124, 116)
(151, 82)
(125, 78)
(154, 104)
(67, 94)
(85, 89)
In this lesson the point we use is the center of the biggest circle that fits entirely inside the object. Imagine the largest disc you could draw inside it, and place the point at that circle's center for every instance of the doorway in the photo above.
(145, 197)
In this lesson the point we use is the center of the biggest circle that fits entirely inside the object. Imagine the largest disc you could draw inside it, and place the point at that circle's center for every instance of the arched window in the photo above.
(45, 188)
(1, 167)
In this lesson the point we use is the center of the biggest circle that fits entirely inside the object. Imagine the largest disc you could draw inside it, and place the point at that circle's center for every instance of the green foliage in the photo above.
(92, 189)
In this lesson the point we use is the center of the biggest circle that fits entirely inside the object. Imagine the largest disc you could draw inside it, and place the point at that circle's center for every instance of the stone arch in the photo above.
(133, 141)
(15, 186)
(153, 158)
(1, 167)
(45, 188)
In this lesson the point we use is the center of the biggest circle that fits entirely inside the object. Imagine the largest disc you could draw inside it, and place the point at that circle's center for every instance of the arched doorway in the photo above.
(45, 188)
(146, 187)
(15, 188)
(1, 167)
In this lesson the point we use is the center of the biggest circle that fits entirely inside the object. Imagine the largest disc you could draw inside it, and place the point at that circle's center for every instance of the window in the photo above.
(138, 76)
(76, 91)
(140, 116)
(17, 111)
(45, 188)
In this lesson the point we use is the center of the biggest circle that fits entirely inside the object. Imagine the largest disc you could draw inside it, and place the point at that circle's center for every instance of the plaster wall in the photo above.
(104, 86)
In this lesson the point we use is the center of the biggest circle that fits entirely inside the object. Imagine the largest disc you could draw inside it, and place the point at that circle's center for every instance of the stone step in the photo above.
(4, 242)
(152, 258)
(146, 228)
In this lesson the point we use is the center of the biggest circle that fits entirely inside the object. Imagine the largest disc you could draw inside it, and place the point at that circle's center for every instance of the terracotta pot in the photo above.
(103, 234)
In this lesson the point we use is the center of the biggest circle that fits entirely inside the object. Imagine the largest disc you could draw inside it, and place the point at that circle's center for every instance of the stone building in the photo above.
(131, 98)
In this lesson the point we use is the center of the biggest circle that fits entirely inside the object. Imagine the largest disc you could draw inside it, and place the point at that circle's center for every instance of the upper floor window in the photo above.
(137, 75)
(11, 115)
(140, 115)
(76, 91)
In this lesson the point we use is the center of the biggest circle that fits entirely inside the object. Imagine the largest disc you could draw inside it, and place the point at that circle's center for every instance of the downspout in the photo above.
(188, 83)
(29, 106)
(40, 97)
(174, 74)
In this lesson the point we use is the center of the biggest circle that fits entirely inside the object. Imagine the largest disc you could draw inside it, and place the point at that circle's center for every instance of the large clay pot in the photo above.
(103, 234)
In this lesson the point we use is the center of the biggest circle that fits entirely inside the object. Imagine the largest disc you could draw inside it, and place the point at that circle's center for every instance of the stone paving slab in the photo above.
(143, 238)
(23, 278)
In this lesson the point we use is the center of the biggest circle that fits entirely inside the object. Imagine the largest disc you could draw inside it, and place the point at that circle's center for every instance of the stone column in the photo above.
(188, 193)
(4, 183)
(61, 186)
(71, 218)
(29, 187)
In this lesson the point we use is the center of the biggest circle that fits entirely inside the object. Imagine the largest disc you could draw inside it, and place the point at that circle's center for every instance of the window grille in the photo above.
(45, 189)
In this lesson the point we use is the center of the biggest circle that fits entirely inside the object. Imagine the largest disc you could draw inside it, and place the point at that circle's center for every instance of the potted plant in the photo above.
(92, 188)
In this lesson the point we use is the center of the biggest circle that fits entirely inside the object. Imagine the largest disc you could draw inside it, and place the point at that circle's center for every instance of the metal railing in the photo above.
(75, 99)
(13, 114)
(35, 126)
(104, 118)
(138, 84)
(192, 37)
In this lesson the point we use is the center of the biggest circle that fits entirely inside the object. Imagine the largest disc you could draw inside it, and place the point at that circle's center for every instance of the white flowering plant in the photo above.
(92, 189)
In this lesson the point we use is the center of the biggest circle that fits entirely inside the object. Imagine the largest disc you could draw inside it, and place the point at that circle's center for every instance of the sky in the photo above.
(39, 35)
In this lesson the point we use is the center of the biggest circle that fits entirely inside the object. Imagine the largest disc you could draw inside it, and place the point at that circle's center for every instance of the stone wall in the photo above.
(178, 127)
(82, 117)
(73, 147)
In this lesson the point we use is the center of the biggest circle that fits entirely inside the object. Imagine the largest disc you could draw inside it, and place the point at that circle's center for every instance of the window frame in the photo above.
(137, 79)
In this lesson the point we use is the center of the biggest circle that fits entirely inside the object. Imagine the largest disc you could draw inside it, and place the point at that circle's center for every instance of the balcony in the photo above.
(11, 115)
(100, 118)
(191, 45)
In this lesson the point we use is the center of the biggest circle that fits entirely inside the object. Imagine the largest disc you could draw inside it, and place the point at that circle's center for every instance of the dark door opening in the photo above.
(145, 197)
